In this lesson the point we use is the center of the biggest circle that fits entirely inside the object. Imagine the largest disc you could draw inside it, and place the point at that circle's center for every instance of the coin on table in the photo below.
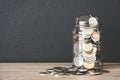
(53, 73)
(82, 69)
(43, 73)
(78, 73)
(50, 70)
(95, 72)
(89, 65)
(62, 73)
(56, 75)
(59, 69)
(72, 69)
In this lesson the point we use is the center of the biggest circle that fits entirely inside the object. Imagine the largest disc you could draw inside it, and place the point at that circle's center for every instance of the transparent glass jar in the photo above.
(86, 43)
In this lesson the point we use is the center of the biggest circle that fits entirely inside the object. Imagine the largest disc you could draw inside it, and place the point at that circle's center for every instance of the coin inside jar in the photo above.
(89, 65)
(95, 36)
(93, 21)
(87, 47)
(87, 32)
(89, 58)
(78, 61)
(77, 48)
(92, 51)
(88, 52)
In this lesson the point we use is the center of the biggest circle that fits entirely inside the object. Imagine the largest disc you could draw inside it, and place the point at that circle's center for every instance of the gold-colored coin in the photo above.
(89, 65)
(88, 52)
(87, 47)
(89, 57)
(92, 51)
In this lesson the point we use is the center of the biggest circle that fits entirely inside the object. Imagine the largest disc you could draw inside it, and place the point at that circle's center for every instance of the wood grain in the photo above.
(30, 71)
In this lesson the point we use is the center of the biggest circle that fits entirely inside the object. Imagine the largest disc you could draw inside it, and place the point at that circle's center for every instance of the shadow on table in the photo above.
(111, 66)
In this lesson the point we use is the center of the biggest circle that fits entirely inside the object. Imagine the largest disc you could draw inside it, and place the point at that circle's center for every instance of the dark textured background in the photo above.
(41, 30)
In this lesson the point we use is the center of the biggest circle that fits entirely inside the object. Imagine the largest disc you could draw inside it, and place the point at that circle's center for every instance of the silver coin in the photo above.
(72, 69)
(77, 48)
(56, 75)
(79, 73)
(50, 70)
(59, 68)
(93, 21)
(62, 73)
(52, 73)
(78, 61)
(82, 70)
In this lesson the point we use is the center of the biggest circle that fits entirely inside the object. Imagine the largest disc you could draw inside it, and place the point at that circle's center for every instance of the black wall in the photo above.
(41, 30)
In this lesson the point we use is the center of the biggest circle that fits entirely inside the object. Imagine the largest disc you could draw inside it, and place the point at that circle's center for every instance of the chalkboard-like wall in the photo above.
(41, 30)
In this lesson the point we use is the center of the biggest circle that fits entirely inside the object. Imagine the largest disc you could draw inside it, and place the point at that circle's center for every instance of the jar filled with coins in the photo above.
(86, 50)
(86, 43)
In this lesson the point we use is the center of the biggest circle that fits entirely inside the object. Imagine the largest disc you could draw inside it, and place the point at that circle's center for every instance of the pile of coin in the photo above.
(64, 71)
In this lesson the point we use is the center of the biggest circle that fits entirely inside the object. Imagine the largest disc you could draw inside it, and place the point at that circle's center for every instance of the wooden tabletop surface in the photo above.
(30, 71)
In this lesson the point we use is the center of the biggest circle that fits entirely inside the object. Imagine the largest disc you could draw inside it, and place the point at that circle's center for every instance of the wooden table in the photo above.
(30, 71)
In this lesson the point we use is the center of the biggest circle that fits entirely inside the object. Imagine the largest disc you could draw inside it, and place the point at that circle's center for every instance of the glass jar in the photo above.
(86, 43)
